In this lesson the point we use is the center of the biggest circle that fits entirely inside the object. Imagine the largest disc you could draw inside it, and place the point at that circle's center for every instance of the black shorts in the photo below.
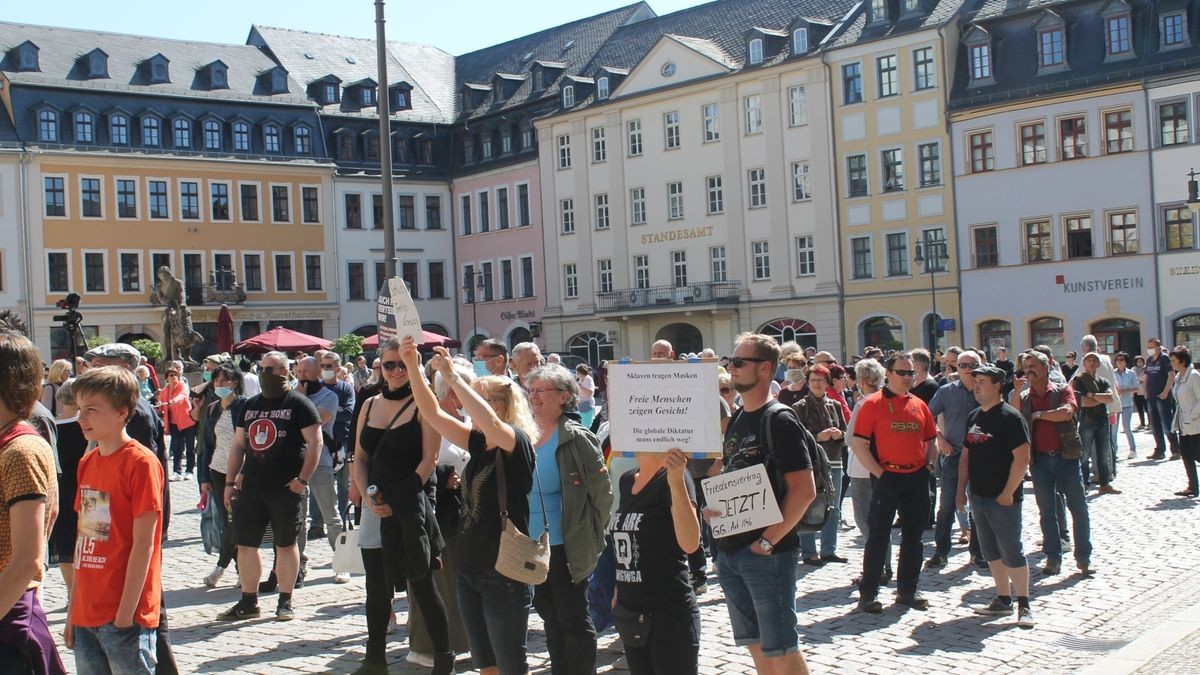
(256, 506)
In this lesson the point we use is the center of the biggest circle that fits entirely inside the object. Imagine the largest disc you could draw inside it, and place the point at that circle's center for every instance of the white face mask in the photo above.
(328, 374)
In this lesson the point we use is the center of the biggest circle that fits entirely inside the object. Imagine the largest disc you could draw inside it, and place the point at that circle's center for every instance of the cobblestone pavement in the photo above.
(1180, 659)
(1145, 553)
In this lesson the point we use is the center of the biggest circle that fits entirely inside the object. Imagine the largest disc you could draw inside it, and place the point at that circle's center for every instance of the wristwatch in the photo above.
(302, 481)
(764, 545)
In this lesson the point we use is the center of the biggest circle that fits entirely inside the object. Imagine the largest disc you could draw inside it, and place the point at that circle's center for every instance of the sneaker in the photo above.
(176, 477)
(1108, 490)
(341, 578)
(300, 577)
(1025, 617)
(915, 601)
(1132, 454)
(997, 607)
(186, 476)
(316, 532)
(423, 660)
(937, 562)
(284, 611)
(814, 561)
(1174, 456)
(213, 577)
(239, 612)
(871, 606)
(1052, 568)
(834, 558)
(1067, 546)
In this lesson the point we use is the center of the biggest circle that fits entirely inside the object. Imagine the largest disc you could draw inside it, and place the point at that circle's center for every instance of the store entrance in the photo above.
(1118, 335)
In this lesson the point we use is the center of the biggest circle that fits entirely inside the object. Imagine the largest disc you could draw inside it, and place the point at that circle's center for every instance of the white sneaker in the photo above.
(186, 476)
(423, 660)
(214, 577)
(176, 477)
(1132, 454)
(344, 578)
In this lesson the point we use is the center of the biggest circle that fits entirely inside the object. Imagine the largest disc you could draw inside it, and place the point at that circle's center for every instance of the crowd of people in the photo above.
(484, 488)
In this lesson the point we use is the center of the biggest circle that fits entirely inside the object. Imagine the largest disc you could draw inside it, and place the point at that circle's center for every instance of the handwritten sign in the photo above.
(397, 313)
(745, 500)
(658, 405)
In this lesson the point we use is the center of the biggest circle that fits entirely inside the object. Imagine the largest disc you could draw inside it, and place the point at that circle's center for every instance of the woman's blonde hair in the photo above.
(517, 414)
(60, 371)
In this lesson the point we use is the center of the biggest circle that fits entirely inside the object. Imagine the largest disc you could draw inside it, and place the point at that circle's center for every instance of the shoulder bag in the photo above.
(521, 558)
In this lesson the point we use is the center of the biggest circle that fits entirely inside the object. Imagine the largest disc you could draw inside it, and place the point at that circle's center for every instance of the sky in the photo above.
(456, 26)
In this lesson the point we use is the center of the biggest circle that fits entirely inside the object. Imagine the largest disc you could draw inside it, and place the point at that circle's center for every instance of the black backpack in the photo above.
(825, 501)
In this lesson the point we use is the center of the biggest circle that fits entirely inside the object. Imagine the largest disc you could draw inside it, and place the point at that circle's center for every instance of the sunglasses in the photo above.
(904, 373)
(967, 366)
(392, 365)
(739, 361)
(726, 390)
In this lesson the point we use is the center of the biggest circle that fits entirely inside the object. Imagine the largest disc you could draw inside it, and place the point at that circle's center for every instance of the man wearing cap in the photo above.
(995, 456)
(1094, 392)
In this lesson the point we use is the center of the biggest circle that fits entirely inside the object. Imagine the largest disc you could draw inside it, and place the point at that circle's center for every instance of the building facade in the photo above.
(685, 188)
(891, 64)
(12, 220)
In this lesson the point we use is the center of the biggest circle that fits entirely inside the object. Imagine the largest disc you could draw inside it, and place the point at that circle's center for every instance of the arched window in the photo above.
(591, 346)
(271, 142)
(48, 126)
(756, 51)
(182, 133)
(568, 96)
(602, 88)
(303, 141)
(1187, 332)
(151, 137)
(241, 137)
(791, 330)
(85, 127)
(118, 129)
(212, 135)
(800, 41)
(993, 335)
(934, 335)
(881, 331)
(1048, 331)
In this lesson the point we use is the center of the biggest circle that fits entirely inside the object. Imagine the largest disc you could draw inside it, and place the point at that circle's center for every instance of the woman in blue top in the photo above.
(572, 481)
(1127, 386)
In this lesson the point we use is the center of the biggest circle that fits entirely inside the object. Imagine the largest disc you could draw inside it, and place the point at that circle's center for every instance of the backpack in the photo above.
(825, 500)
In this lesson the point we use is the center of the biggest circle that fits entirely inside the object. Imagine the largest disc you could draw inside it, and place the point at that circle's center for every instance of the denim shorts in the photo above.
(999, 529)
(108, 649)
(495, 615)
(760, 592)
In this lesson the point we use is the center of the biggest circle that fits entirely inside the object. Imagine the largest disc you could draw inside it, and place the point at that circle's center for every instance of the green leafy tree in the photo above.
(97, 340)
(349, 346)
(149, 349)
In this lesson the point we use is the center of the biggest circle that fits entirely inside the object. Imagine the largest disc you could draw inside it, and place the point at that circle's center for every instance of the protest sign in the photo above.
(743, 498)
(654, 406)
(397, 313)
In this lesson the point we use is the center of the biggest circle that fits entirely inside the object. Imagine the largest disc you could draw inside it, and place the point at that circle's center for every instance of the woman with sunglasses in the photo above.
(397, 453)
(494, 608)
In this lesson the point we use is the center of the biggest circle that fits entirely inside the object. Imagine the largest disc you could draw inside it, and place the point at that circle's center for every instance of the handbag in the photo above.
(347, 557)
(521, 558)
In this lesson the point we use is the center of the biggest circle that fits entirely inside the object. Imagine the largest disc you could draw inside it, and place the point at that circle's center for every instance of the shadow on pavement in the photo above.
(1174, 504)
(968, 634)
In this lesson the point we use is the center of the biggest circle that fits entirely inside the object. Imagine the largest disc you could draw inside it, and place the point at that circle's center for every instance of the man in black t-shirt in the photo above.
(994, 459)
(757, 569)
(276, 445)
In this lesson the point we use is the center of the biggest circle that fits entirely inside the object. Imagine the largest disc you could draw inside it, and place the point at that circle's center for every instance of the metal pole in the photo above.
(385, 142)
(933, 295)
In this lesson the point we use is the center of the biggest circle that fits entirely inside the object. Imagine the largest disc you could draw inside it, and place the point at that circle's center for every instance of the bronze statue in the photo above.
(178, 335)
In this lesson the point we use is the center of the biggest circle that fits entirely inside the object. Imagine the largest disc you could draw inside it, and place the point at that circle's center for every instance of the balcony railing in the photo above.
(222, 287)
(702, 293)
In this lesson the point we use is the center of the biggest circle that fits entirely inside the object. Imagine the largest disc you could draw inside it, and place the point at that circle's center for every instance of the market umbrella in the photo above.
(224, 330)
(283, 340)
(431, 340)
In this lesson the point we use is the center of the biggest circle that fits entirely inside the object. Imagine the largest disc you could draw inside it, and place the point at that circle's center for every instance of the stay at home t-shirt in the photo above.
(992, 435)
(652, 571)
(274, 439)
(113, 492)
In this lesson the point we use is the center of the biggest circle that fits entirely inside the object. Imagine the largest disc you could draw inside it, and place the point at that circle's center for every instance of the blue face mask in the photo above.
(206, 375)
(481, 369)
(222, 392)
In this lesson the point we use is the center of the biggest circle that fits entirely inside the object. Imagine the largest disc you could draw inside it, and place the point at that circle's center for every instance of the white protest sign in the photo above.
(744, 499)
(397, 313)
(659, 405)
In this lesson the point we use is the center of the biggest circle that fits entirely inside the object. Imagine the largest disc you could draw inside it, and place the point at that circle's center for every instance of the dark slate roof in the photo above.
(311, 56)
(8, 133)
(854, 28)
(992, 8)
(60, 48)
(1014, 50)
(550, 46)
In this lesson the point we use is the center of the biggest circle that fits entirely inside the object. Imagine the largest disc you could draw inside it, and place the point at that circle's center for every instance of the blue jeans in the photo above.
(109, 650)
(829, 533)
(999, 529)
(495, 614)
(1051, 473)
(947, 510)
(1096, 445)
(1162, 414)
(760, 593)
(1127, 425)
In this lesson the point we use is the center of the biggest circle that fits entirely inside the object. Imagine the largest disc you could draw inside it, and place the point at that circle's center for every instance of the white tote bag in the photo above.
(347, 558)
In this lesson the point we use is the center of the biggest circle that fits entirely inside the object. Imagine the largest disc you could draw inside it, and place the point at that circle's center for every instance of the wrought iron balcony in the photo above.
(222, 287)
(702, 293)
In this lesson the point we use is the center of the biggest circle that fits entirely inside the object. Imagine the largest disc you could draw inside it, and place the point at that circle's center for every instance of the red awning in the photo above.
(283, 340)
(431, 340)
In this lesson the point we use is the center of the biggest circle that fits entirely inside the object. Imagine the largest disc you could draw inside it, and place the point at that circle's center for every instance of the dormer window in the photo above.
(181, 134)
(800, 41)
(401, 101)
(48, 126)
(878, 10)
(1174, 30)
(911, 6)
(218, 76)
(271, 141)
(241, 137)
(27, 56)
(568, 96)
(303, 138)
(158, 69)
(1117, 29)
(981, 62)
(602, 88)
(273, 81)
(330, 95)
(1052, 42)
(367, 96)
(95, 64)
(85, 127)
(212, 135)
(537, 80)
(118, 129)
(278, 81)
(151, 132)
(756, 51)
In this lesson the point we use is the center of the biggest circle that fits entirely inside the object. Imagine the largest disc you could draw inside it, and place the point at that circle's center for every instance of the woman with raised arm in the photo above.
(397, 452)
(495, 609)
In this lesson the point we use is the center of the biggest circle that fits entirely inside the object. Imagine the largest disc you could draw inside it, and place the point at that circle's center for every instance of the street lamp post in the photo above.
(1193, 198)
(933, 254)
(472, 290)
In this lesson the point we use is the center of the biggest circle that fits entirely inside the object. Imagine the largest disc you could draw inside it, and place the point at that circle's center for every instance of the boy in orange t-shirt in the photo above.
(113, 617)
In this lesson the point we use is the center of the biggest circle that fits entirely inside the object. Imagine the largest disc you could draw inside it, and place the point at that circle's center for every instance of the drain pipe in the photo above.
(1158, 291)
(837, 217)
(23, 236)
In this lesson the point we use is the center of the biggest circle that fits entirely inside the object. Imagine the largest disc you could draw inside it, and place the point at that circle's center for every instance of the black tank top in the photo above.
(399, 454)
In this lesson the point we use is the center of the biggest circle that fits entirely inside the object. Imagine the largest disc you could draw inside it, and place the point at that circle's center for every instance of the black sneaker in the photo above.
(886, 577)
(937, 562)
(871, 606)
(270, 585)
(1025, 617)
(239, 612)
(300, 577)
(998, 607)
(915, 601)
(316, 532)
(284, 611)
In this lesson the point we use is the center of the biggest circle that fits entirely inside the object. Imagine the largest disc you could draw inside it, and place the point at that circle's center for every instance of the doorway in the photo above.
(684, 337)
(1118, 335)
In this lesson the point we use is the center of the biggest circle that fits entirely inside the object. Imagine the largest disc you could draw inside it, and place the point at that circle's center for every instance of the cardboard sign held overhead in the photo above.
(397, 313)
(654, 406)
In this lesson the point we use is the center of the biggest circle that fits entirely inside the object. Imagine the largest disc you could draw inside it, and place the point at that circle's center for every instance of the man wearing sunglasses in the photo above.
(757, 569)
(491, 358)
(894, 435)
(954, 401)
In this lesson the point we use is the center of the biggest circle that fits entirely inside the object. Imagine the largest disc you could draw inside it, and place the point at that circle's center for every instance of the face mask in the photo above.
(480, 366)
(222, 392)
(795, 375)
(273, 386)
(310, 388)
(328, 374)
(206, 375)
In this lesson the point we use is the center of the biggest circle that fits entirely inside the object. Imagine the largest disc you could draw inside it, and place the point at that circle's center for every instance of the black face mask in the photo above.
(311, 388)
(396, 394)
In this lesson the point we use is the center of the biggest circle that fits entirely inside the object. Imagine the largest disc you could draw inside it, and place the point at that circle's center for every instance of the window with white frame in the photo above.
(568, 96)
(981, 62)
(566, 209)
(1118, 131)
(284, 280)
(90, 204)
(679, 268)
(852, 83)
(218, 201)
(570, 281)
(55, 196)
(930, 155)
(280, 204)
(601, 207)
(756, 180)
(806, 256)
(599, 146)
(712, 122)
(800, 41)
(465, 203)
(130, 263)
(602, 88)
(801, 182)
(1122, 232)
(313, 276)
(181, 131)
(85, 127)
(718, 268)
(924, 72)
(674, 201)
(486, 280)
(127, 198)
(159, 207)
(58, 271)
(252, 272)
(715, 187)
(94, 271)
(272, 141)
(671, 137)
(797, 106)
(485, 212)
(502, 220)
(1072, 137)
(564, 151)
(1039, 245)
(637, 206)
(356, 277)
(887, 75)
(1178, 231)
(212, 135)
(892, 161)
(241, 137)
(604, 275)
(634, 136)
(486, 145)
(982, 151)
(754, 119)
(762, 260)
(118, 129)
(189, 200)
(48, 126)
(641, 271)
(1033, 143)
(756, 51)
(862, 262)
